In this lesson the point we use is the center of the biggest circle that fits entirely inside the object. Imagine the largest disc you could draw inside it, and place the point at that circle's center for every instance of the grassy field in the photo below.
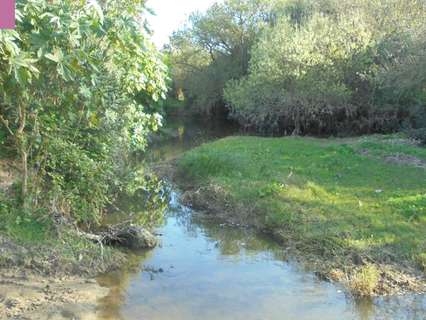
(357, 206)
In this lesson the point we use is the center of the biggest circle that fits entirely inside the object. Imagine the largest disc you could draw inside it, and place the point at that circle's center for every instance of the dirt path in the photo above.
(24, 295)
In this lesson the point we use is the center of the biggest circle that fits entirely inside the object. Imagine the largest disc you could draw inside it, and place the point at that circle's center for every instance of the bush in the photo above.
(332, 74)
(306, 67)
(365, 280)
(76, 100)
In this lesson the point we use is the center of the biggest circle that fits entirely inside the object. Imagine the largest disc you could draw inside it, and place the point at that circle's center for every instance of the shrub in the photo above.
(306, 67)
(365, 280)
(78, 84)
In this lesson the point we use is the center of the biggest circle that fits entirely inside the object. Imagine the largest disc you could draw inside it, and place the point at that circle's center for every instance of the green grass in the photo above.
(324, 193)
(45, 250)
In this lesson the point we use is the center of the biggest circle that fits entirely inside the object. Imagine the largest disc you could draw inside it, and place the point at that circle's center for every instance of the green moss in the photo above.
(320, 189)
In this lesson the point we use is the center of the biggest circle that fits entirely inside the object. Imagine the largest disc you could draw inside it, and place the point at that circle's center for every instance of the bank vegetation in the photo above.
(79, 82)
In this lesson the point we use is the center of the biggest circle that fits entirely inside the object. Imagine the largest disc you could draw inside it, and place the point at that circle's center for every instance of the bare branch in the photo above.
(6, 124)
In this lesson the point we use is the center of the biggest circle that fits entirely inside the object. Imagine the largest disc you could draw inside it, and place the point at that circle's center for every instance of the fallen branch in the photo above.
(128, 236)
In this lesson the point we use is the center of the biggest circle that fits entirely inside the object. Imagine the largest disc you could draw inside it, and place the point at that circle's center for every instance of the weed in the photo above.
(365, 280)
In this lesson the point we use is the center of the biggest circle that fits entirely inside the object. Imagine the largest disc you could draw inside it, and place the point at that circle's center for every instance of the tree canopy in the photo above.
(77, 81)
(306, 67)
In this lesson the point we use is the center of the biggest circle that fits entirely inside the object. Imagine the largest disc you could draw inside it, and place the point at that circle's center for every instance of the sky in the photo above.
(170, 15)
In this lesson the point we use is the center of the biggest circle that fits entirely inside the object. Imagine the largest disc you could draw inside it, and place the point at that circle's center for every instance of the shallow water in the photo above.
(205, 269)
(187, 133)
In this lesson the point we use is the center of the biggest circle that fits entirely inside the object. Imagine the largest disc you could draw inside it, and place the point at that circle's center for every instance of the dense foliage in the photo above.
(307, 67)
(77, 80)
(214, 48)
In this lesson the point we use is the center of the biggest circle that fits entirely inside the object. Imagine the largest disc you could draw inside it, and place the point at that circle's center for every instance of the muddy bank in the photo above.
(42, 282)
(345, 216)
(59, 259)
(26, 295)
(53, 278)
(359, 273)
(38, 282)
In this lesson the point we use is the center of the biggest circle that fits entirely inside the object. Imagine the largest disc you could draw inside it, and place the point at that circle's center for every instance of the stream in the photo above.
(206, 269)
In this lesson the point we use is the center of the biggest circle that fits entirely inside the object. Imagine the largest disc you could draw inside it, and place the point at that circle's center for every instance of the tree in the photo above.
(70, 74)
(325, 74)
(215, 47)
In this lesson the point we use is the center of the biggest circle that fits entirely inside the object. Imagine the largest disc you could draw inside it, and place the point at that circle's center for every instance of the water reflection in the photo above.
(207, 269)
(183, 134)
(210, 269)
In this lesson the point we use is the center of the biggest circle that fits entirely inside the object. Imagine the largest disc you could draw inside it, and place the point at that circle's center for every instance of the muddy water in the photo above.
(205, 269)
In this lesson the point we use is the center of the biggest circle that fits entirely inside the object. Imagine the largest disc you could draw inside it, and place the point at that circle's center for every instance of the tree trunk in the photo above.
(21, 144)
(24, 164)
(297, 130)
